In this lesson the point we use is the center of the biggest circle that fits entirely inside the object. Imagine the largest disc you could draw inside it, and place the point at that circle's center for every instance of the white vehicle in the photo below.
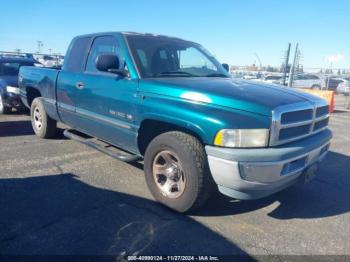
(249, 77)
(344, 87)
(271, 79)
(308, 81)
(48, 61)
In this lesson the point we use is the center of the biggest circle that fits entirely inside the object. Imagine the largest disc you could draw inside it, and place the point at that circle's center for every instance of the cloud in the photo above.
(334, 58)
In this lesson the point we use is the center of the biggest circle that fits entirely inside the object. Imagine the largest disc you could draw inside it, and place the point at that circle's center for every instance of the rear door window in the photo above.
(75, 62)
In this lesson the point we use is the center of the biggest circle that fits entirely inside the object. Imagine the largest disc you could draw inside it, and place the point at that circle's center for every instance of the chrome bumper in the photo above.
(257, 179)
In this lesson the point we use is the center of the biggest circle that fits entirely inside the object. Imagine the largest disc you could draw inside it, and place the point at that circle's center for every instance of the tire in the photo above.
(3, 108)
(316, 87)
(194, 184)
(43, 125)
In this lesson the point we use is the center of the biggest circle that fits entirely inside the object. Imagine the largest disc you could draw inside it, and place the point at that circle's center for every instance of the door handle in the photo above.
(79, 85)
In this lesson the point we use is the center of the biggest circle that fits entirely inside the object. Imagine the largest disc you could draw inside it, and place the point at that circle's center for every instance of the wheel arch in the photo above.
(152, 127)
(32, 93)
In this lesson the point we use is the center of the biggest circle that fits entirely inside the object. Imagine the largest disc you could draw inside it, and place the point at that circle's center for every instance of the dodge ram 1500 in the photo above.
(169, 102)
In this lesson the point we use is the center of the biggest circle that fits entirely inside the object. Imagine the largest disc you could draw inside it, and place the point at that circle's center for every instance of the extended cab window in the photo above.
(101, 45)
(75, 61)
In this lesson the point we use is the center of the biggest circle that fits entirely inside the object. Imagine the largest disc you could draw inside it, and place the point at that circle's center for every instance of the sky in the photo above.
(235, 31)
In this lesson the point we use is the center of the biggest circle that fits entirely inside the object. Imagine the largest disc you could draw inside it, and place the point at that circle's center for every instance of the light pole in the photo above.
(328, 78)
(286, 62)
(40, 45)
(292, 69)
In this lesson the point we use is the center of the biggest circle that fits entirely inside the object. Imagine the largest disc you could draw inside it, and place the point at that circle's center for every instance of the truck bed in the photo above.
(37, 79)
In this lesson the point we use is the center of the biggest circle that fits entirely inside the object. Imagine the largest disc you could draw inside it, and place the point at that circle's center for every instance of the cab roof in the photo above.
(127, 33)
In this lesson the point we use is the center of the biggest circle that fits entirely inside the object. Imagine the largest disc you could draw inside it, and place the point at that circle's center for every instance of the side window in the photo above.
(313, 77)
(101, 44)
(191, 57)
(163, 55)
(142, 57)
(76, 58)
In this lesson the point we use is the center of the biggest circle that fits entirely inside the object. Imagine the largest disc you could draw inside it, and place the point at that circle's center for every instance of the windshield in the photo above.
(11, 69)
(169, 57)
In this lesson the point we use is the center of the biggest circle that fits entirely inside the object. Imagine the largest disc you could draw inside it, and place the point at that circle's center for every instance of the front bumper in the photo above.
(256, 173)
(12, 100)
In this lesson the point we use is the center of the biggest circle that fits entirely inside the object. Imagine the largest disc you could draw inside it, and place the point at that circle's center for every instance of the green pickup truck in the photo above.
(169, 102)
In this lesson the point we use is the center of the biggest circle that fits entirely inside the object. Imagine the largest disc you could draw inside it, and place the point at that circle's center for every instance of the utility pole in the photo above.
(260, 65)
(40, 45)
(330, 73)
(286, 63)
(292, 69)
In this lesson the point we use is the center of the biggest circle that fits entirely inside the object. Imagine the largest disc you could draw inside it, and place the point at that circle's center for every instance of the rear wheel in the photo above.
(177, 171)
(3, 108)
(43, 125)
(316, 87)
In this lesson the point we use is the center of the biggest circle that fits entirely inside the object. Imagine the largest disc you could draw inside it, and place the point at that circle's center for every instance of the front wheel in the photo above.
(177, 171)
(43, 125)
(3, 108)
(316, 87)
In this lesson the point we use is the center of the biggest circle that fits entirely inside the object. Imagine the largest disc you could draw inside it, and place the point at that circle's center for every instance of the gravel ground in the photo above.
(60, 197)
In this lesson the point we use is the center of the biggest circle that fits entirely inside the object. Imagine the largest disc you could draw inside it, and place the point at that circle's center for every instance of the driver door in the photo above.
(107, 103)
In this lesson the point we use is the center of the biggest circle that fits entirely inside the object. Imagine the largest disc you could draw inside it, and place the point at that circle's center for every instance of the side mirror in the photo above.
(226, 66)
(110, 63)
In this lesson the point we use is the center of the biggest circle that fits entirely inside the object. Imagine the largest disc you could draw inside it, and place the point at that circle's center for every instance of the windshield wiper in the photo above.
(216, 75)
(174, 73)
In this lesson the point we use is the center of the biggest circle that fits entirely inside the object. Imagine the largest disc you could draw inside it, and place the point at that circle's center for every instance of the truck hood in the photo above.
(255, 97)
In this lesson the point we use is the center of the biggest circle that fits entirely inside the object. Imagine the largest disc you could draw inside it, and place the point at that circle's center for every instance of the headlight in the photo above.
(242, 138)
(12, 89)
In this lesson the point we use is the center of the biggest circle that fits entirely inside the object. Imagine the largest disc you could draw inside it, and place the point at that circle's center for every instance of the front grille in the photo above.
(287, 133)
(296, 121)
(322, 110)
(321, 124)
(296, 116)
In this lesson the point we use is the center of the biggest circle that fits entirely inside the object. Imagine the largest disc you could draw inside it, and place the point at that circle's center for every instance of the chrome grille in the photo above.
(296, 121)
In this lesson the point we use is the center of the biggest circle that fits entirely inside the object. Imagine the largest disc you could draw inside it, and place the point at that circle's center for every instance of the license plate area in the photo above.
(294, 166)
(310, 173)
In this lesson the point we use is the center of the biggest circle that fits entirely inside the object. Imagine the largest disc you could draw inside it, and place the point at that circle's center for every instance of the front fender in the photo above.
(203, 119)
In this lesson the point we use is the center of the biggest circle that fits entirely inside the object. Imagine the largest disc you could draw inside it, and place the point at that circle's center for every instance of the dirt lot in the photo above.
(60, 197)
